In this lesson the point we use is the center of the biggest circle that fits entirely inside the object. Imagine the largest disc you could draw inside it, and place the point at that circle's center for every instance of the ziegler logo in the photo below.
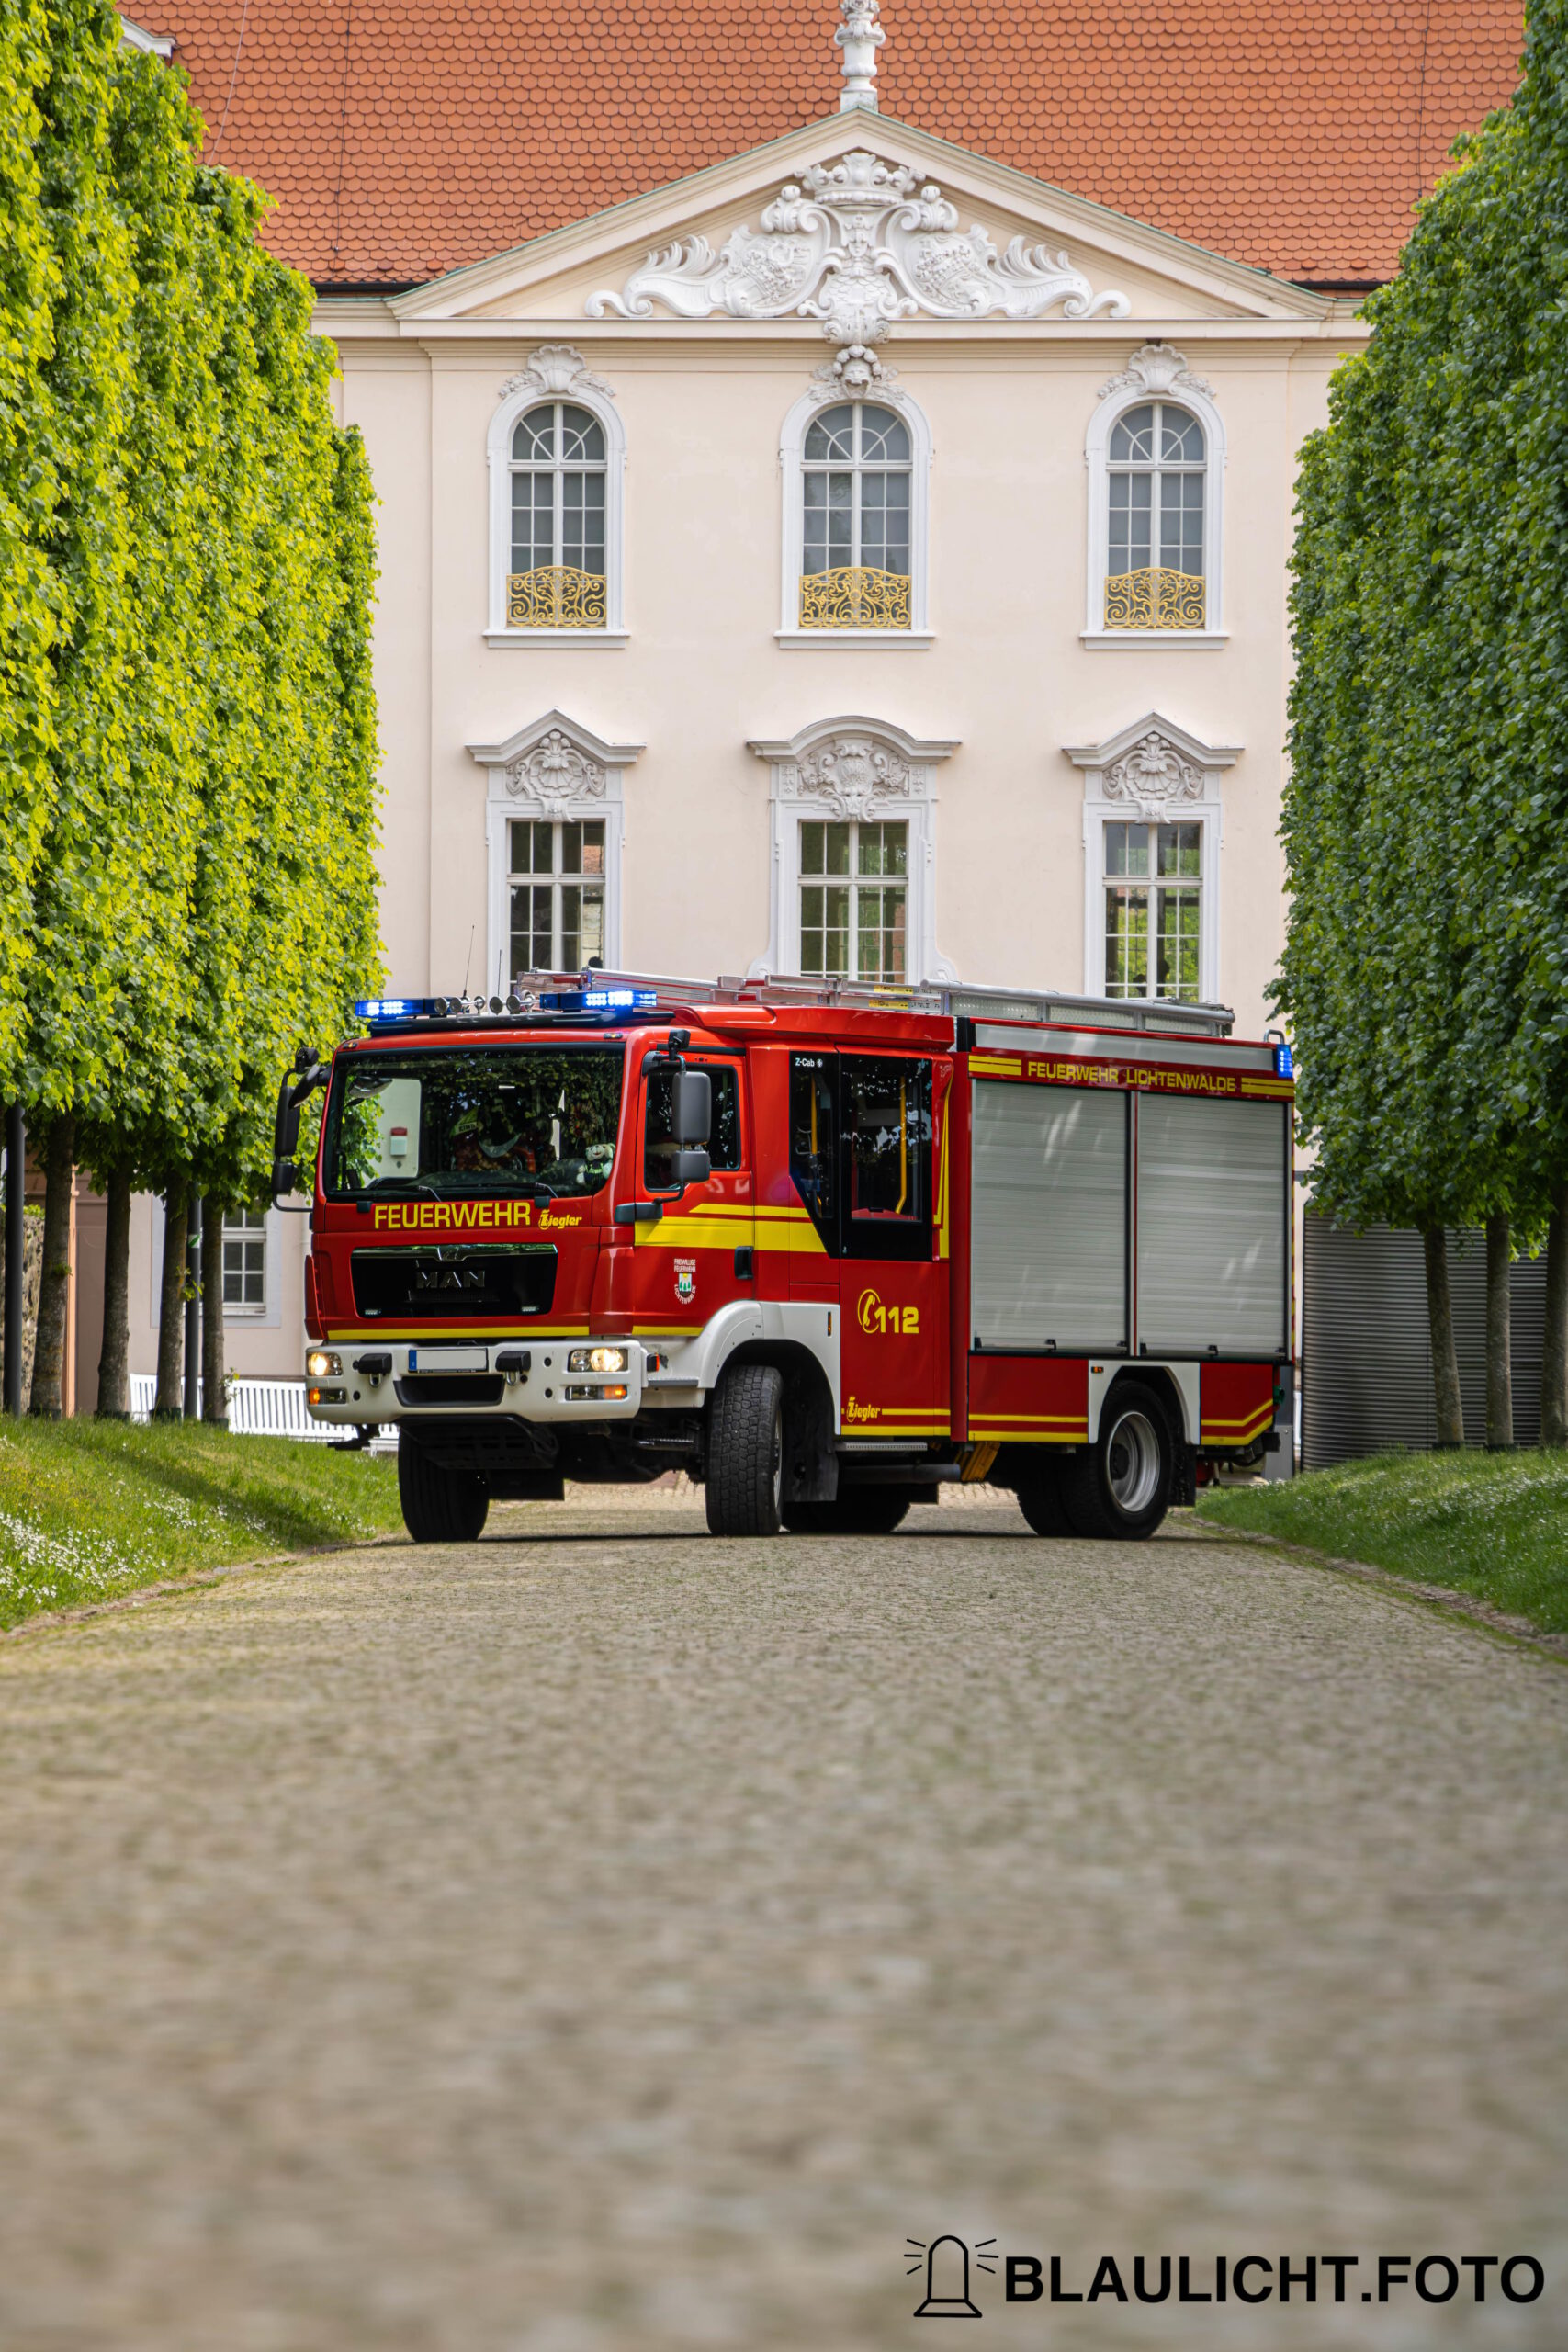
(872, 1316)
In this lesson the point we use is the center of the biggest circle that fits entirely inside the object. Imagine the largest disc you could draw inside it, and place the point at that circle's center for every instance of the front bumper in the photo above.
(508, 1379)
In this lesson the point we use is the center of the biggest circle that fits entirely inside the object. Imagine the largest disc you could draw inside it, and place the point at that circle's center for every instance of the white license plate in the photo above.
(448, 1360)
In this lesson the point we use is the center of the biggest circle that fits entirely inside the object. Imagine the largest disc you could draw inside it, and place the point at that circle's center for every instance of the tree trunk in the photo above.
(172, 1303)
(1554, 1340)
(1499, 1337)
(214, 1397)
(1445, 1357)
(54, 1298)
(192, 1309)
(114, 1355)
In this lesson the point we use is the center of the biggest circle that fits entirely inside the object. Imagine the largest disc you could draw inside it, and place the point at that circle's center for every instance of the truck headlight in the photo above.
(322, 1365)
(597, 1359)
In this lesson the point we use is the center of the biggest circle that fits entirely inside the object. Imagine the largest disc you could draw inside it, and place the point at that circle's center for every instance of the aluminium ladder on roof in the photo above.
(953, 999)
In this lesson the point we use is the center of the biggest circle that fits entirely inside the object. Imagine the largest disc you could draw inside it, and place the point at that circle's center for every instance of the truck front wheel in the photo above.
(745, 1467)
(439, 1506)
(1122, 1485)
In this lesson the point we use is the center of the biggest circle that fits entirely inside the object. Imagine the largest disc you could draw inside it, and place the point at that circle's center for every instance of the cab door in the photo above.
(893, 1266)
(700, 1253)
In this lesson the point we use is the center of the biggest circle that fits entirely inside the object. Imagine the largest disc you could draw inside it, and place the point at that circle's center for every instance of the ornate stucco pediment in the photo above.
(1153, 767)
(859, 244)
(555, 767)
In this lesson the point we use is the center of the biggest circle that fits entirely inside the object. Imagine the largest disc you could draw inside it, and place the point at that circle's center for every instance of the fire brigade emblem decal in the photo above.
(685, 1280)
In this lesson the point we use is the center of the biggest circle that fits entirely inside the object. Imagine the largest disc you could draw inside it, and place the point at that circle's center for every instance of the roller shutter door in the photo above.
(1049, 1251)
(1212, 1212)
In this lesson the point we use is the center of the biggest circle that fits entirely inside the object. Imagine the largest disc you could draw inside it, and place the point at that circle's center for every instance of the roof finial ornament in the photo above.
(860, 37)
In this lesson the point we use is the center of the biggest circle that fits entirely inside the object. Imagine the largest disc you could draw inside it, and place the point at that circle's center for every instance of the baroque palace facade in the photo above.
(835, 551)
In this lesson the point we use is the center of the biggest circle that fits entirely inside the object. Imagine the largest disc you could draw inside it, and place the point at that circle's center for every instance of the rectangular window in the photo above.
(1153, 911)
(658, 1146)
(244, 1263)
(812, 1142)
(885, 1107)
(854, 900)
(556, 883)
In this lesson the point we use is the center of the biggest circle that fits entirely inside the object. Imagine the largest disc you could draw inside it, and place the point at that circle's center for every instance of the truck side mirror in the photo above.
(692, 1166)
(691, 1110)
(285, 1174)
(286, 1130)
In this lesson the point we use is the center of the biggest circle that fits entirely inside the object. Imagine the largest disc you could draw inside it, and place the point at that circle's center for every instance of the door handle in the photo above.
(743, 1265)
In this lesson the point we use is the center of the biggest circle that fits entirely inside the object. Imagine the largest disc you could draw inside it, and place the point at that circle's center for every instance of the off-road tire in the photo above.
(1039, 1492)
(745, 1467)
(859, 1510)
(1121, 1485)
(439, 1506)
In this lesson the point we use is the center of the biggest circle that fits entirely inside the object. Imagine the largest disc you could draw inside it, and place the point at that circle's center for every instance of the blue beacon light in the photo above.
(1284, 1066)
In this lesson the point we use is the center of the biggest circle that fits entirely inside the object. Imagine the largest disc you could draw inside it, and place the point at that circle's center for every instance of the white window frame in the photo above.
(232, 1314)
(852, 767)
(558, 880)
(553, 768)
(269, 1317)
(555, 373)
(1155, 773)
(853, 882)
(1155, 373)
(792, 451)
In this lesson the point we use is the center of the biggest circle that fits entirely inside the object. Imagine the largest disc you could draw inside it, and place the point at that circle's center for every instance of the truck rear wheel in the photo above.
(859, 1510)
(439, 1506)
(745, 1469)
(1121, 1485)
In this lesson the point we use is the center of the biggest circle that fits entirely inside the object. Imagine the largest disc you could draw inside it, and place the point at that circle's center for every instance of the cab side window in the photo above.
(660, 1146)
(887, 1108)
(813, 1141)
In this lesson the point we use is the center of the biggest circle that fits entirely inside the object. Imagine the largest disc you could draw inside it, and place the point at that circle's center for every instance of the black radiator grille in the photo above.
(494, 1280)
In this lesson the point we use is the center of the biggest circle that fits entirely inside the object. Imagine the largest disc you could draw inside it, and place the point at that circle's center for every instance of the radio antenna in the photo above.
(468, 965)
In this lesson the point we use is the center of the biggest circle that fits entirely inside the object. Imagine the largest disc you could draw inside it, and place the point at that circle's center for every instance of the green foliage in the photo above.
(188, 738)
(1426, 971)
(27, 496)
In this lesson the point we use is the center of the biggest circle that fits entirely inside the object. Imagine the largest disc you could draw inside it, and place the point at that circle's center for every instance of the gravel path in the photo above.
(606, 1937)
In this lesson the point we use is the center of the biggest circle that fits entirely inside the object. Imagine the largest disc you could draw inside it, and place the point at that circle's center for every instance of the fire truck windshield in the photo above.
(450, 1121)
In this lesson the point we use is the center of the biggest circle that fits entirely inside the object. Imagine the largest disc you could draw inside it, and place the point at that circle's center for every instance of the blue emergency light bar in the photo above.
(1284, 1065)
(599, 999)
(390, 1008)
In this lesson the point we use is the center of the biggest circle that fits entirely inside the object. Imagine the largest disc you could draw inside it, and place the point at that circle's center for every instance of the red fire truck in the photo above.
(821, 1249)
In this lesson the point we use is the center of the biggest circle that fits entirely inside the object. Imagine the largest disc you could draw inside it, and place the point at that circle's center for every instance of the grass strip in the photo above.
(1491, 1524)
(91, 1509)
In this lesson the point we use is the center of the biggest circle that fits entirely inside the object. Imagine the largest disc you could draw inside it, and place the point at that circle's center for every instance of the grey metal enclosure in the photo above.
(1366, 1356)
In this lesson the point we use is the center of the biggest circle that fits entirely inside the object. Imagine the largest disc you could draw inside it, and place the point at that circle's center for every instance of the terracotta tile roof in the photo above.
(401, 141)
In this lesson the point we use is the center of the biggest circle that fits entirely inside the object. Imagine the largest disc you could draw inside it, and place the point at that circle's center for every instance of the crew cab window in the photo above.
(813, 1138)
(886, 1107)
(658, 1146)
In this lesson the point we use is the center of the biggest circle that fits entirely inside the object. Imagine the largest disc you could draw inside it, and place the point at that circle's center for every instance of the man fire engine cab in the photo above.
(821, 1251)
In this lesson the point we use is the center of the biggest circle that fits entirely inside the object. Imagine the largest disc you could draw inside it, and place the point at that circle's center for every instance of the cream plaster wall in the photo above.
(1006, 678)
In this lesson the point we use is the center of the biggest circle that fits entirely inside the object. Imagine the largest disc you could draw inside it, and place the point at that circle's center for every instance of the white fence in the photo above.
(256, 1408)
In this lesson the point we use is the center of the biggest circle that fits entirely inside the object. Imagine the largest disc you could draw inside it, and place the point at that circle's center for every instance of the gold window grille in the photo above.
(555, 597)
(1155, 597)
(853, 596)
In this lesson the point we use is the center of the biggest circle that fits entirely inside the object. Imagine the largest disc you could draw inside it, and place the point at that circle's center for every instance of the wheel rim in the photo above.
(1132, 1464)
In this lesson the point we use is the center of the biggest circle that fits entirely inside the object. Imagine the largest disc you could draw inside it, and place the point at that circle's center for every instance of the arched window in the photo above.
(557, 575)
(1153, 575)
(855, 520)
(556, 468)
(1156, 454)
(855, 478)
